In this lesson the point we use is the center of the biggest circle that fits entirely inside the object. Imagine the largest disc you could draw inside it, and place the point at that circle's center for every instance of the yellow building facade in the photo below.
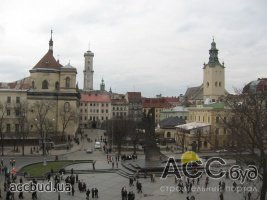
(47, 100)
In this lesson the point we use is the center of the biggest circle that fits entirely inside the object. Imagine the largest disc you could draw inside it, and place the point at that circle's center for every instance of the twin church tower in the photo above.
(213, 86)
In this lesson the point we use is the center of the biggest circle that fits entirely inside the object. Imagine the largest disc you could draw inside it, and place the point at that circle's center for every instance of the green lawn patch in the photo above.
(38, 169)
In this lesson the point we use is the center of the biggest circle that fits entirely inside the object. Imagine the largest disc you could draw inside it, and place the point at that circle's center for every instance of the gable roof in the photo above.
(171, 122)
(194, 93)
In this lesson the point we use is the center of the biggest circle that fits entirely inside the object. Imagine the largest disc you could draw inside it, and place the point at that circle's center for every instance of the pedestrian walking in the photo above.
(221, 196)
(87, 194)
(93, 192)
(21, 195)
(77, 178)
(249, 195)
(72, 191)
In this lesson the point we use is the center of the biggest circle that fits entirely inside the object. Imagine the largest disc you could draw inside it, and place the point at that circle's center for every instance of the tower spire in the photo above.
(51, 42)
(102, 85)
(213, 59)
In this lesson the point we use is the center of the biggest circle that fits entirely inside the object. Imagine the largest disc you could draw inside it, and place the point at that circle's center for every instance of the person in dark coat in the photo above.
(93, 192)
(87, 194)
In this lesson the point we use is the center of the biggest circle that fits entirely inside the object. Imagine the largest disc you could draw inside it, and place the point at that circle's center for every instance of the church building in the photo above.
(46, 102)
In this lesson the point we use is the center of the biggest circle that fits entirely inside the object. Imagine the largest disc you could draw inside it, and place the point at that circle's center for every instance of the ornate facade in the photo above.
(48, 99)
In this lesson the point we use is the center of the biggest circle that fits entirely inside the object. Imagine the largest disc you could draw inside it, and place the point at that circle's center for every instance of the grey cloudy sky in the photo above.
(151, 46)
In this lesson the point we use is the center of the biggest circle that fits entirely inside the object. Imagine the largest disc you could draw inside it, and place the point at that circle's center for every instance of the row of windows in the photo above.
(216, 84)
(45, 84)
(8, 112)
(8, 128)
(94, 111)
(217, 119)
(93, 118)
(120, 114)
(9, 99)
(94, 104)
(119, 108)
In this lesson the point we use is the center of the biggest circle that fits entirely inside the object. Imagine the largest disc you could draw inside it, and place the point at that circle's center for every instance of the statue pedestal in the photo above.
(152, 153)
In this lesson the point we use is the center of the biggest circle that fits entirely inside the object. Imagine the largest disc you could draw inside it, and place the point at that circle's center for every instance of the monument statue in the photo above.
(152, 151)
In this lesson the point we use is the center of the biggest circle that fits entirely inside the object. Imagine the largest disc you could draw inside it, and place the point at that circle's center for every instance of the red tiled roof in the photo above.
(134, 94)
(48, 61)
(172, 99)
(155, 102)
(118, 101)
(95, 98)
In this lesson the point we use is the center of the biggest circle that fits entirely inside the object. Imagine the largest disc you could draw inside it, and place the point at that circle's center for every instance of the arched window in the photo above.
(33, 84)
(67, 84)
(57, 85)
(45, 84)
(208, 84)
(216, 84)
(66, 106)
(168, 134)
(220, 84)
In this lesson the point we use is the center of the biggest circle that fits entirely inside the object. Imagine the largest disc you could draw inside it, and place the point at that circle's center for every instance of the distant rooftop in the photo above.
(22, 84)
(192, 125)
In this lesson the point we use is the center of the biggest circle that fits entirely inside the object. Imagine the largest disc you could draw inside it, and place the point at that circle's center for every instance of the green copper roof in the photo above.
(215, 105)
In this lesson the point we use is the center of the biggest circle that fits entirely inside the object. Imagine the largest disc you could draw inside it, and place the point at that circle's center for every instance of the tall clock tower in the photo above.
(88, 71)
(213, 76)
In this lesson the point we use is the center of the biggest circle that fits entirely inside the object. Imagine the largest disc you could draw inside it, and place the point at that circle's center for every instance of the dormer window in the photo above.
(33, 84)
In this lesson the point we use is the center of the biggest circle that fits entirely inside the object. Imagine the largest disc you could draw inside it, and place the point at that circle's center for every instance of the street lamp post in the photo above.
(43, 144)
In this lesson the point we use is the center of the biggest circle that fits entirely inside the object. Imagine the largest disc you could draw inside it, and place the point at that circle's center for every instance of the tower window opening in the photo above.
(45, 84)
(67, 83)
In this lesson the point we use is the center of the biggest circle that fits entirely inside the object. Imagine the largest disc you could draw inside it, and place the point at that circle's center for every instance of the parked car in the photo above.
(97, 145)
(89, 150)
(221, 151)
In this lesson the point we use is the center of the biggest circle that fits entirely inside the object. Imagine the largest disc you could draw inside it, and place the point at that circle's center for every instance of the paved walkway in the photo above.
(109, 186)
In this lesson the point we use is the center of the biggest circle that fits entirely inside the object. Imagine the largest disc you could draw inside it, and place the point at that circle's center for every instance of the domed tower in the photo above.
(213, 76)
(88, 71)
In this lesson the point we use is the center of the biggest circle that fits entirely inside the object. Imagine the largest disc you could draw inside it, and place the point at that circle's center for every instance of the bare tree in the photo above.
(118, 130)
(67, 114)
(41, 120)
(21, 112)
(135, 133)
(246, 123)
(3, 110)
(181, 139)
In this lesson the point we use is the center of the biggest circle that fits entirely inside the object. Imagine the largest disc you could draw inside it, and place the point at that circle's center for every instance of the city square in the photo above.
(133, 100)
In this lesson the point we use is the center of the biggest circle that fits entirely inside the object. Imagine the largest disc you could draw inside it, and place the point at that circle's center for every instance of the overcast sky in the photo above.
(150, 46)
